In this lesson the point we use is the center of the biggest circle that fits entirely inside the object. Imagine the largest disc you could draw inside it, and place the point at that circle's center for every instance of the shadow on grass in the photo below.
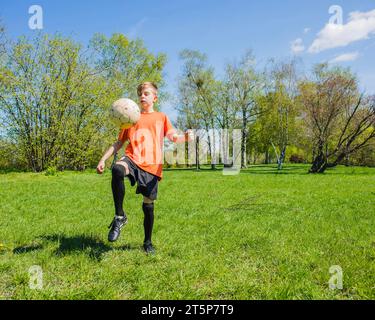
(302, 170)
(27, 248)
(203, 169)
(13, 170)
(273, 170)
(252, 169)
(90, 245)
(247, 204)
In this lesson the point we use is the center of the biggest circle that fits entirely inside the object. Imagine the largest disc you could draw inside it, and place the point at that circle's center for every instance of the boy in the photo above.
(142, 162)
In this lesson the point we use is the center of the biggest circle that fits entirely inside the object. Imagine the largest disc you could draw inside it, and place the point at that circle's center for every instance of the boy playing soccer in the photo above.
(142, 163)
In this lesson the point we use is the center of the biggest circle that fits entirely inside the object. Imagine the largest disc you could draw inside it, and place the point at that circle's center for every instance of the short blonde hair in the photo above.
(147, 84)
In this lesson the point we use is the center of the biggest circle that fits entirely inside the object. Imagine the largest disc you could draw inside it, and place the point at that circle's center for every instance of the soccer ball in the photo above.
(124, 113)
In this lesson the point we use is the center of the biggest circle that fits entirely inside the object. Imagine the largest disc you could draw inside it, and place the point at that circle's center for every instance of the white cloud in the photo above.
(306, 30)
(361, 26)
(297, 46)
(345, 57)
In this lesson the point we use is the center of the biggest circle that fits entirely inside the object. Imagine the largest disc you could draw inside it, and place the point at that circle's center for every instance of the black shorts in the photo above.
(147, 183)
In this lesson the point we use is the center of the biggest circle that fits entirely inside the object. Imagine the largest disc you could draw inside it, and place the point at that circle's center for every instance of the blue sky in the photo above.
(223, 30)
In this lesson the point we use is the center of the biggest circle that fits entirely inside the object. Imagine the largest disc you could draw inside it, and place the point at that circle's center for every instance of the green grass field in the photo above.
(257, 235)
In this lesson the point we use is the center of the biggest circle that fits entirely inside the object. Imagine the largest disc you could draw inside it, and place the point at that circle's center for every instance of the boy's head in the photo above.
(148, 94)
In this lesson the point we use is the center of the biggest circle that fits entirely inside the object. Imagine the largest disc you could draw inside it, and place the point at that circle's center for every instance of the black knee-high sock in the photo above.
(148, 222)
(118, 188)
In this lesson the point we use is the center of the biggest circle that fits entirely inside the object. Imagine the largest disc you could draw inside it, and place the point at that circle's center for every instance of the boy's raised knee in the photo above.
(118, 171)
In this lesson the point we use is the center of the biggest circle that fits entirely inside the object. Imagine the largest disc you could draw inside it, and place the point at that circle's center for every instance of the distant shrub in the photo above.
(296, 158)
(51, 171)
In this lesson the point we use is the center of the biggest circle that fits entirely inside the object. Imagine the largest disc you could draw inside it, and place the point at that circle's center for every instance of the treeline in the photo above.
(55, 94)
(284, 115)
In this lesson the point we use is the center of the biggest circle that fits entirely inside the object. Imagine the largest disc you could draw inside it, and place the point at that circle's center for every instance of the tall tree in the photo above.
(246, 85)
(198, 79)
(226, 115)
(125, 63)
(340, 118)
(282, 105)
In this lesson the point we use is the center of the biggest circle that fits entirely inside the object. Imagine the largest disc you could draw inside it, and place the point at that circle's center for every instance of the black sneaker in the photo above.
(117, 223)
(149, 249)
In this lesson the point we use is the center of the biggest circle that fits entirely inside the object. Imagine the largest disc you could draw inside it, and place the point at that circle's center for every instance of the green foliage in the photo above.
(126, 63)
(55, 95)
(296, 155)
(295, 158)
(51, 171)
(281, 114)
(364, 157)
(10, 157)
(339, 118)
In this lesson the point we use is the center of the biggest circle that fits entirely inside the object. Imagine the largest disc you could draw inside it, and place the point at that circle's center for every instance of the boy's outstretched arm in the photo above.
(112, 150)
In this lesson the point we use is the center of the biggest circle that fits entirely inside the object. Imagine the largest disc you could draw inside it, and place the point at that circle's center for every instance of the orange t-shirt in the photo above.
(146, 141)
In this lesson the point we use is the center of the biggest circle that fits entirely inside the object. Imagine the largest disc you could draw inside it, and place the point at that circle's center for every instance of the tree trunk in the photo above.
(243, 140)
(339, 158)
(281, 159)
(266, 157)
(347, 160)
(197, 166)
(211, 147)
(319, 164)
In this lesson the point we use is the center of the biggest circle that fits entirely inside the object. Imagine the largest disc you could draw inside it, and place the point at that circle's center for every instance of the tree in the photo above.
(281, 107)
(245, 86)
(125, 63)
(340, 119)
(36, 90)
(265, 129)
(226, 115)
(54, 95)
(188, 114)
(357, 130)
(199, 91)
(364, 157)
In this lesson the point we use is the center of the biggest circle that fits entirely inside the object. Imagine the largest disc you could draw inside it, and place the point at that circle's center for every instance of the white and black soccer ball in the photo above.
(124, 113)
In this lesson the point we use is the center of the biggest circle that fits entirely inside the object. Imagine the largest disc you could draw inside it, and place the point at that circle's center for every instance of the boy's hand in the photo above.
(100, 167)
